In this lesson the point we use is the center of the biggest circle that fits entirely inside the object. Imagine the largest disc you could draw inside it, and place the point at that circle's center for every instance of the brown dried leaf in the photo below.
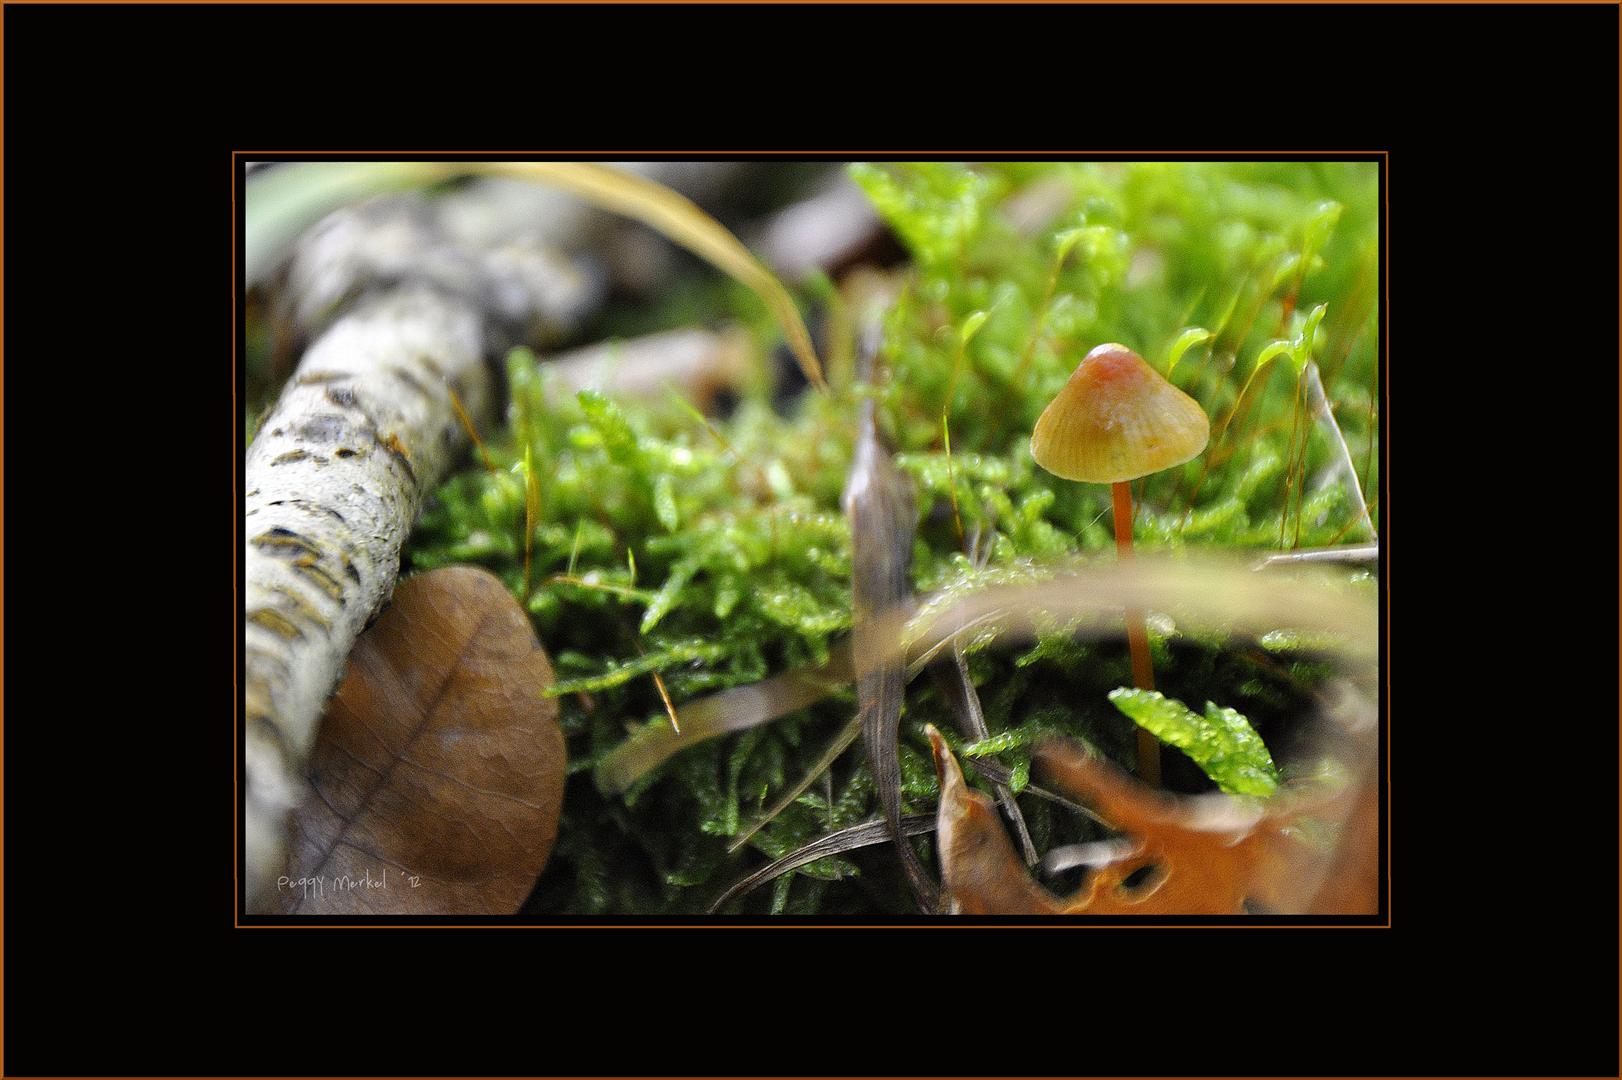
(1210, 855)
(980, 874)
(437, 777)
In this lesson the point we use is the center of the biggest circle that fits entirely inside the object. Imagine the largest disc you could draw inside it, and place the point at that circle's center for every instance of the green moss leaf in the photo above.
(609, 422)
(664, 502)
(1274, 350)
(1221, 742)
(996, 744)
(1301, 349)
(684, 652)
(1189, 338)
(971, 326)
(933, 205)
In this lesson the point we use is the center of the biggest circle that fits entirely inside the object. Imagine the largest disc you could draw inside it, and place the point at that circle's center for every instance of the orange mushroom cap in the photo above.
(1117, 419)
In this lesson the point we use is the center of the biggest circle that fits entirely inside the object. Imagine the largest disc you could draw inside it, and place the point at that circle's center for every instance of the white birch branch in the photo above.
(335, 479)
(339, 469)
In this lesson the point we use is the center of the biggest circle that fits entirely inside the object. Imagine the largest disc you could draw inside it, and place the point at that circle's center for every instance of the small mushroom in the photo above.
(1115, 420)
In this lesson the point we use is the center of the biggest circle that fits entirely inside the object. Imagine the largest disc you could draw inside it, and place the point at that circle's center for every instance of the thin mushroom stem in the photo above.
(1137, 634)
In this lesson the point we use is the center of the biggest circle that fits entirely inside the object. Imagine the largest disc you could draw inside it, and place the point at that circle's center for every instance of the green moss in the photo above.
(742, 556)
(1221, 742)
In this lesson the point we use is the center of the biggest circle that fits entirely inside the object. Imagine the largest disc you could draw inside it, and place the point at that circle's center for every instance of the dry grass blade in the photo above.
(1220, 593)
(839, 745)
(1337, 440)
(866, 834)
(965, 701)
(676, 217)
(959, 690)
(737, 709)
(532, 513)
(998, 773)
(468, 426)
(1348, 553)
(664, 696)
(283, 202)
(879, 504)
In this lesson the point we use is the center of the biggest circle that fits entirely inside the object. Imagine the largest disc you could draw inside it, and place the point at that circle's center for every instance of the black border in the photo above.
(1502, 125)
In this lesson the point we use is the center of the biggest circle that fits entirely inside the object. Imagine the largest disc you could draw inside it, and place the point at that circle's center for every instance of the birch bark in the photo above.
(404, 317)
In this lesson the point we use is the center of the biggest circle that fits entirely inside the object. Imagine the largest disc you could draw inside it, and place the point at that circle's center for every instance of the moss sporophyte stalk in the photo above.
(713, 551)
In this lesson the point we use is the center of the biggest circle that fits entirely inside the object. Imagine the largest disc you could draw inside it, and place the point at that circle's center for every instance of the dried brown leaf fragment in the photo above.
(1210, 855)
